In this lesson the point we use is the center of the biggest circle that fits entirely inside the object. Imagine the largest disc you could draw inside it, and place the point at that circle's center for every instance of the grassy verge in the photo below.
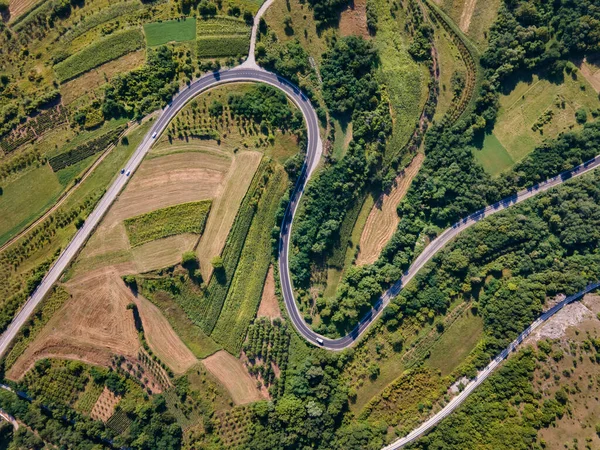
(246, 288)
(36, 323)
(178, 219)
(159, 33)
(94, 55)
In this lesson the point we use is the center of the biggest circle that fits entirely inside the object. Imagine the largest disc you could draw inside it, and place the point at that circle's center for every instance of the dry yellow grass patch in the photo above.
(591, 72)
(231, 373)
(162, 338)
(90, 327)
(160, 182)
(383, 219)
(19, 7)
(269, 306)
(467, 14)
(95, 78)
(105, 405)
(224, 209)
(353, 20)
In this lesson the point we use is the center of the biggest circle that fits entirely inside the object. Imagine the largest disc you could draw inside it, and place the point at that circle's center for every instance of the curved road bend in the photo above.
(429, 252)
(240, 74)
(314, 150)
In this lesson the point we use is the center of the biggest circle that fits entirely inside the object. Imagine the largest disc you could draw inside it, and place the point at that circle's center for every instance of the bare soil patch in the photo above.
(269, 306)
(572, 315)
(162, 338)
(95, 78)
(467, 14)
(383, 219)
(92, 326)
(353, 20)
(105, 405)
(591, 72)
(224, 209)
(231, 373)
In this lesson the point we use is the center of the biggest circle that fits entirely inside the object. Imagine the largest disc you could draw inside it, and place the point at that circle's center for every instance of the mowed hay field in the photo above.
(162, 338)
(473, 17)
(17, 8)
(92, 326)
(159, 182)
(232, 374)
(383, 219)
(535, 110)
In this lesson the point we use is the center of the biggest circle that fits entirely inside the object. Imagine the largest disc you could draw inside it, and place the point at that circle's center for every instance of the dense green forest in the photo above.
(451, 184)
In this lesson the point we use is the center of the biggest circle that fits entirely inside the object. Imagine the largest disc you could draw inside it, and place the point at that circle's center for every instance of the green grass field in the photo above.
(192, 336)
(25, 198)
(450, 62)
(159, 33)
(184, 218)
(221, 46)
(405, 80)
(456, 343)
(246, 288)
(98, 53)
(534, 110)
(481, 18)
(493, 156)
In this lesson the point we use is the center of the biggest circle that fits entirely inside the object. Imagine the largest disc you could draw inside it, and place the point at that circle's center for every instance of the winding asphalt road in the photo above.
(240, 74)
(249, 72)
(429, 252)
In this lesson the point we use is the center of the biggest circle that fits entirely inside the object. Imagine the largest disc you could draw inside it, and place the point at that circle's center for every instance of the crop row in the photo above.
(221, 46)
(205, 314)
(88, 22)
(222, 25)
(98, 53)
(119, 422)
(33, 128)
(170, 221)
(86, 150)
(246, 288)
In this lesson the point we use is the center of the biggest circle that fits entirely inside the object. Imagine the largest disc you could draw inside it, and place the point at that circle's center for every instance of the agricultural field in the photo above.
(165, 222)
(159, 33)
(163, 341)
(222, 46)
(221, 37)
(533, 110)
(452, 70)
(190, 334)
(383, 218)
(91, 326)
(244, 294)
(473, 17)
(99, 53)
(269, 303)
(231, 373)
(97, 77)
